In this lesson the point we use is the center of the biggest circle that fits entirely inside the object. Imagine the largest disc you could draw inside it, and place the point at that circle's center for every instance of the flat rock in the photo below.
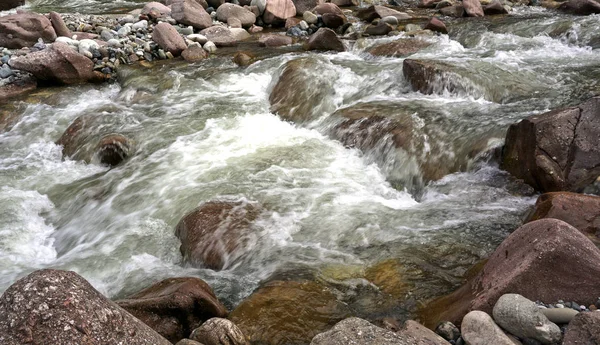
(61, 308)
(189, 12)
(24, 29)
(156, 6)
(273, 40)
(584, 330)
(167, 37)
(478, 328)
(220, 36)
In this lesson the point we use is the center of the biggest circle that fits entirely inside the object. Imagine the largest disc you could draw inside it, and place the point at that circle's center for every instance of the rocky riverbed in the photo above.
(300, 172)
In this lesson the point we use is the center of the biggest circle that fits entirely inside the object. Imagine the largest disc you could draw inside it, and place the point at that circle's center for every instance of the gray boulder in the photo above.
(523, 318)
(478, 328)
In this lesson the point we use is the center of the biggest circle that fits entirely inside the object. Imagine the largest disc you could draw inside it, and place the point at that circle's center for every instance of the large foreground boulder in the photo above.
(288, 312)
(61, 308)
(190, 12)
(58, 64)
(217, 233)
(175, 307)
(10, 4)
(543, 260)
(579, 210)
(584, 329)
(558, 150)
(24, 30)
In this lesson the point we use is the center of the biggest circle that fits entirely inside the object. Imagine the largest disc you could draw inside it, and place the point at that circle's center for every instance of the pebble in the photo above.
(197, 38)
(303, 25)
(447, 330)
(114, 43)
(5, 71)
(186, 31)
(142, 24)
(124, 31)
(390, 20)
(310, 17)
(170, 56)
(161, 54)
(210, 47)
(106, 35)
(87, 46)
(127, 19)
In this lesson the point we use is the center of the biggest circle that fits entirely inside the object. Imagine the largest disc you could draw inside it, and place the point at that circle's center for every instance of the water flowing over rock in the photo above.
(277, 11)
(168, 38)
(61, 308)
(217, 331)
(579, 210)
(522, 317)
(493, 8)
(217, 233)
(556, 151)
(549, 251)
(584, 330)
(189, 12)
(24, 30)
(478, 328)
(58, 64)
(227, 11)
(19, 87)
(288, 312)
(325, 39)
(399, 48)
(174, 307)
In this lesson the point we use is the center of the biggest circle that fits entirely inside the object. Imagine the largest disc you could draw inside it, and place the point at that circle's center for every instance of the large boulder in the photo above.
(580, 7)
(399, 48)
(584, 330)
(558, 150)
(158, 7)
(168, 38)
(579, 210)
(288, 312)
(473, 8)
(478, 328)
(10, 4)
(174, 307)
(24, 29)
(325, 39)
(189, 12)
(545, 260)
(217, 233)
(277, 11)
(218, 331)
(58, 64)
(228, 10)
(61, 308)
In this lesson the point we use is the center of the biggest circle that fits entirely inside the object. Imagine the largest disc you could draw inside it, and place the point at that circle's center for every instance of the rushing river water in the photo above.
(204, 132)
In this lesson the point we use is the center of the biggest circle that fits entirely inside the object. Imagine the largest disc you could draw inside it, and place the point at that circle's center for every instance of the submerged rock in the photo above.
(61, 308)
(543, 260)
(217, 233)
(175, 307)
(217, 331)
(112, 149)
(556, 151)
(288, 312)
(24, 29)
(399, 48)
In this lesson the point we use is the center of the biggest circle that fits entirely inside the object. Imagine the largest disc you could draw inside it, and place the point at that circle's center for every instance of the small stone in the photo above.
(303, 25)
(127, 19)
(161, 54)
(124, 31)
(5, 71)
(115, 43)
(310, 17)
(142, 24)
(558, 305)
(169, 55)
(447, 330)
(210, 47)
(194, 53)
(560, 315)
(197, 38)
(390, 20)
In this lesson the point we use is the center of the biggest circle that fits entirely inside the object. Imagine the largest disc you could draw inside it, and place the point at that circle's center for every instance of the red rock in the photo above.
(194, 53)
(473, 8)
(273, 40)
(584, 329)
(325, 39)
(174, 307)
(60, 307)
(277, 11)
(436, 25)
(334, 20)
(579, 210)
(543, 260)
(59, 25)
(24, 29)
(190, 12)
(216, 234)
(57, 64)
(168, 38)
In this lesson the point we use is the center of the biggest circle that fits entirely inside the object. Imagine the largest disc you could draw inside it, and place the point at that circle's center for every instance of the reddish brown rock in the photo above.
(194, 53)
(345, 3)
(325, 39)
(228, 11)
(58, 64)
(217, 233)
(584, 329)
(473, 8)
(543, 260)
(556, 151)
(579, 210)
(10, 4)
(220, 36)
(306, 5)
(457, 11)
(60, 307)
(175, 307)
(436, 25)
(190, 12)
(24, 29)
(580, 7)
(112, 149)
(327, 8)
(288, 312)
(333, 20)
(381, 28)
(277, 11)
(156, 6)
(168, 38)
(274, 40)
(243, 59)
(291, 22)
(493, 8)
(59, 25)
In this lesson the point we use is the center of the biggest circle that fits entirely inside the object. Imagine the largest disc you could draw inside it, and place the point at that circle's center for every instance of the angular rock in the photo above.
(560, 315)
(167, 37)
(580, 7)
(60, 307)
(543, 260)
(277, 11)
(333, 21)
(522, 317)
(175, 307)
(216, 234)
(325, 39)
(189, 12)
(24, 29)
(493, 8)
(273, 40)
(306, 5)
(473, 8)
(557, 150)
(228, 10)
(288, 312)
(217, 331)
(478, 328)
(220, 36)
(59, 25)
(399, 48)
(194, 53)
(436, 25)
(156, 6)
(381, 28)
(584, 330)
(10, 4)
(579, 210)
(58, 64)
(447, 330)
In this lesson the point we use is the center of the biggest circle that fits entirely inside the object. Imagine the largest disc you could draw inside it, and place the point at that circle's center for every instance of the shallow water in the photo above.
(204, 132)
